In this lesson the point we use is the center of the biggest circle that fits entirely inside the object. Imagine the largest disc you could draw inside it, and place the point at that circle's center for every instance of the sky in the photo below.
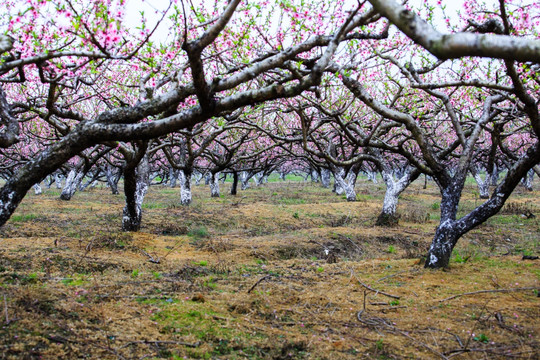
(151, 9)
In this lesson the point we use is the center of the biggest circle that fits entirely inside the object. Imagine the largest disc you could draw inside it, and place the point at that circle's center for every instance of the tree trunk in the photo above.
(58, 180)
(446, 237)
(37, 189)
(72, 183)
(314, 176)
(483, 185)
(394, 189)
(136, 180)
(214, 185)
(282, 175)
(185, 187)
(112, 180)
(173, 175)
(345, 184)
(245, 179)
(495, 175)
(234, 186)
(198, 178)
(528, 180)
(447, 233)
(372, 175)
(48, 181)
(91, 182)
(325, 178)
(258, 179)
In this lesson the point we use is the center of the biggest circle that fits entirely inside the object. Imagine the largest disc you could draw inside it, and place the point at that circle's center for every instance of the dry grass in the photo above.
(274, 273)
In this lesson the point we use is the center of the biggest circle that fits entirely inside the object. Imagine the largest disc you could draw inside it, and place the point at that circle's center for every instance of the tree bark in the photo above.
(136, 180)
(185, 187)
(37, 189)
(394, 189)
(234, 186)
(325, 178)
(314, 176)
(72, 183)
(246, 176)
(173, 176)
(447, 233)
(528, 180)
(58, 180)
(483, 184)
(113, 179)
(345, 184)
(214, 185)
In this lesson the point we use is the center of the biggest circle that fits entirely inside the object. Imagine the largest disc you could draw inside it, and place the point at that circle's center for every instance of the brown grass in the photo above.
(274, 273)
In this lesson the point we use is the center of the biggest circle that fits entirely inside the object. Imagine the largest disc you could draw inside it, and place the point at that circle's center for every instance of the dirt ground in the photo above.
(288, 270)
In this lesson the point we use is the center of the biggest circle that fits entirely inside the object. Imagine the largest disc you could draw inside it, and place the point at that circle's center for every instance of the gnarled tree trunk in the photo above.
(234, 186)
(325, 178)
(113, 179)
(37, 189)
(136, 181)
(185, 187)
(246, 176)
(394, 188)
(214, 185)
(72, 183)
(345, 184)
(483, 184)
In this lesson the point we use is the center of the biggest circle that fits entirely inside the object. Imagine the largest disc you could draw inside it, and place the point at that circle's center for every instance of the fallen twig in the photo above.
(371, 289)
(488, 291)
(159, 342)
(258, 282)
(150, 257)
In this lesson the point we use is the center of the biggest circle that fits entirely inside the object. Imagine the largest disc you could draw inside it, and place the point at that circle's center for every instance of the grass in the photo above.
(244, 278)
(23, 217)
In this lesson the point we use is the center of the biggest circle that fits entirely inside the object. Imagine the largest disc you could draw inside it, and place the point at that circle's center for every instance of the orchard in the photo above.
(205, 94)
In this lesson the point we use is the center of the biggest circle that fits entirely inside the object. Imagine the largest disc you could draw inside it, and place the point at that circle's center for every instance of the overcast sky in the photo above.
(134, 7)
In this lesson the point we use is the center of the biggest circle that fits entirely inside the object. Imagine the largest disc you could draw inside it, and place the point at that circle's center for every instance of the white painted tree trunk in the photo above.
(198, 178)
(325, 178)
(48, 182)
(112, 180)
(394, 188)
(173, 176)
(345, 185)
(483, 184)
(37, 189)
(185, 188)
(214, 185)
(58, 180)
(372, 175)
(528, 180)
(72, 183)
(282, 175)
(258, 179)
(245, 176)
(314, 175)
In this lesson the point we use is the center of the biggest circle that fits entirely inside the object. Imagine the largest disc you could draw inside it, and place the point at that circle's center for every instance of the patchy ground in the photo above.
(285, 271)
